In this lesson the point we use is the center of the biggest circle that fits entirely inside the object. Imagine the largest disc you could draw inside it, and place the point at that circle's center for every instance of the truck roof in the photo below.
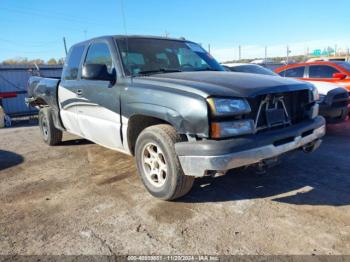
(133, 36)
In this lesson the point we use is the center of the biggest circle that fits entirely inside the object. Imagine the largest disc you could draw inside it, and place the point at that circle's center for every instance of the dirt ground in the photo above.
(80, 198)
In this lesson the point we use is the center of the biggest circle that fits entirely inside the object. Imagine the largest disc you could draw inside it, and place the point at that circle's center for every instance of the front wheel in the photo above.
(158, 164)
(50, 134)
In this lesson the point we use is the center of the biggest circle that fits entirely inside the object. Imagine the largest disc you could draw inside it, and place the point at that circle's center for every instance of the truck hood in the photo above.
(324, 87)
(217, 83)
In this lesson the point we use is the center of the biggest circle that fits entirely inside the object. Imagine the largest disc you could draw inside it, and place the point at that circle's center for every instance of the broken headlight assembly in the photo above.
(221, 108)
(315, 94)
(228, 106)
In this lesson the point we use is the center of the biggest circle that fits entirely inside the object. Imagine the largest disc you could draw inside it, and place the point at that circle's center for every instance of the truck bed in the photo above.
(43, 91)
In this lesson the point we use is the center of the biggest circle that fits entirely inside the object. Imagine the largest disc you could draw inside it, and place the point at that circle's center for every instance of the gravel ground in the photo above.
(80, 198)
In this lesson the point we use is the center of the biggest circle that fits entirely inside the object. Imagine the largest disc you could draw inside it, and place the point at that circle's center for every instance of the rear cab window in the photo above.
(293, 72)
(71, 67)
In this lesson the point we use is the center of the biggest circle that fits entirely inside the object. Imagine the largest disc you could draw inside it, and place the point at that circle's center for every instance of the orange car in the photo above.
(337, 72)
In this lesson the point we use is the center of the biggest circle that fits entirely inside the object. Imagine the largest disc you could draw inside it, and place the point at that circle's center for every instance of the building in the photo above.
(13, 86)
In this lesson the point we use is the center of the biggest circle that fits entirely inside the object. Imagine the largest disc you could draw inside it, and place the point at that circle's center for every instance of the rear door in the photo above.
(68, 90)
(99, 112)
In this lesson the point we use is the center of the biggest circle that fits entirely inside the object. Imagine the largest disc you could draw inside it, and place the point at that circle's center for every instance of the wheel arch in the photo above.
(138, 122)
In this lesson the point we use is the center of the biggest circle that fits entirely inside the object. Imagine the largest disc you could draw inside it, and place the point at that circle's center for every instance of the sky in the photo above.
(35, 29)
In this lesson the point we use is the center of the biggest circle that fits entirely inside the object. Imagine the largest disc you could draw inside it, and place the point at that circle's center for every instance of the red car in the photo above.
(337, 72)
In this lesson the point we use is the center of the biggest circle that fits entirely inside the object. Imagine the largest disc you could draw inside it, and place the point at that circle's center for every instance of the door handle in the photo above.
(79, 92)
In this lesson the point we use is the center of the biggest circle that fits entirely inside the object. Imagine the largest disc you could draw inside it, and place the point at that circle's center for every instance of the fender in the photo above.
(43, 92)
(182, 119)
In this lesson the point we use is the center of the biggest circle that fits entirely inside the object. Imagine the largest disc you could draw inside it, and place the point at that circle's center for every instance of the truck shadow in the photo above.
(321, 178)
(9, 159)
(75, 142)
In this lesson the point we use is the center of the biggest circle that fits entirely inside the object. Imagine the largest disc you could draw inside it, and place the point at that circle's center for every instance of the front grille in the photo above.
(290, 109)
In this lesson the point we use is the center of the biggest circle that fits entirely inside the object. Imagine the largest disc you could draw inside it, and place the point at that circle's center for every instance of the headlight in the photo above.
(315, 94)
(232, 128)
(321, 98)
(228, 106)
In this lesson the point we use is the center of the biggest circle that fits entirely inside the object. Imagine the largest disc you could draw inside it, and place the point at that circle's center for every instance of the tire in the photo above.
(50, 134)
(158, 142)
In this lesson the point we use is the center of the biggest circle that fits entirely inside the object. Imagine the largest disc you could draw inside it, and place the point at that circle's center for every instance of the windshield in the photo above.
(254, 69)
(150, 56)
(345, 65)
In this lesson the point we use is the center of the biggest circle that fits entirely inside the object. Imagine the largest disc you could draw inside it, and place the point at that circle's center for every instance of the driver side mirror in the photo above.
(98, 72)
(340, 76)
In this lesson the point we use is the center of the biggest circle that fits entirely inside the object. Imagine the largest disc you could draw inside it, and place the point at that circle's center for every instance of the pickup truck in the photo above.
(172, 106)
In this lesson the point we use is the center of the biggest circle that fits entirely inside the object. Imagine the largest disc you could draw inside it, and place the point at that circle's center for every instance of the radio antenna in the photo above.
(126, 36)
(123, 16)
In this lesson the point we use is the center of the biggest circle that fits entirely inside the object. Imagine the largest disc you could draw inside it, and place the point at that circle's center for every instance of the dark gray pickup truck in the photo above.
(172, 106)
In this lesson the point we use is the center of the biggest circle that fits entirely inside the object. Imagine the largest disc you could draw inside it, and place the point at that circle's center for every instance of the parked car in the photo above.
(248, 68)
(171, 105)
(330, 78)
(336, 72)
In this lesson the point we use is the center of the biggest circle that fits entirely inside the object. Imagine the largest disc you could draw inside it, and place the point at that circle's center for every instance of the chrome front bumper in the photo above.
(198, 166)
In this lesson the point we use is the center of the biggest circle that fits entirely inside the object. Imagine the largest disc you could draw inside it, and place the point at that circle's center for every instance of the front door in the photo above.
(99, 110)
(322, 73)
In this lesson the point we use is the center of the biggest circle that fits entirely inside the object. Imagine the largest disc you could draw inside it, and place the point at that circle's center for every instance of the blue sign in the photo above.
(317, 52)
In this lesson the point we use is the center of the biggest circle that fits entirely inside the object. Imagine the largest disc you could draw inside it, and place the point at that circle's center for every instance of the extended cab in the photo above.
(172, 106)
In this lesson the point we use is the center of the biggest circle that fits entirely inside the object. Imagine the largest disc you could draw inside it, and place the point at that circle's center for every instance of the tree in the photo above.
(52, 61)
(60, 61)
(37, 61)
(15, 61)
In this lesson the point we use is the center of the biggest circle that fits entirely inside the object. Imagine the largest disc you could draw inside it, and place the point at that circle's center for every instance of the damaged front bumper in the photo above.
(200, 157)
(334, 107)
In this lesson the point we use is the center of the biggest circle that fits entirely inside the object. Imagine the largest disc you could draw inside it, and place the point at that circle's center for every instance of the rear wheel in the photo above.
(158, 164)
(50, 134)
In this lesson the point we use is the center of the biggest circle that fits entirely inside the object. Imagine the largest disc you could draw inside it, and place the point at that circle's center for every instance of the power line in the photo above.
(41, 14)
(29, 44)
(18, 51)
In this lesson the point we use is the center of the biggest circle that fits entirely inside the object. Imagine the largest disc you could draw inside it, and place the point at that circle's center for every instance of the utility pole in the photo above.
(209, 48)
(65, 45)
(288, 51)
(335, 50)
(239, 53)
(265, 54)
(167, 34)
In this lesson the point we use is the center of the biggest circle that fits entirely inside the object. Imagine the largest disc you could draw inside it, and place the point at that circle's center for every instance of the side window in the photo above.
(322, 71)
(71, 66)
(99, 54)
(293, 72)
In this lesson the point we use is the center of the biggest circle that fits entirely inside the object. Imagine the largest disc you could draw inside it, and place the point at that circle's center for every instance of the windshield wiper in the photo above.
(157, 71)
